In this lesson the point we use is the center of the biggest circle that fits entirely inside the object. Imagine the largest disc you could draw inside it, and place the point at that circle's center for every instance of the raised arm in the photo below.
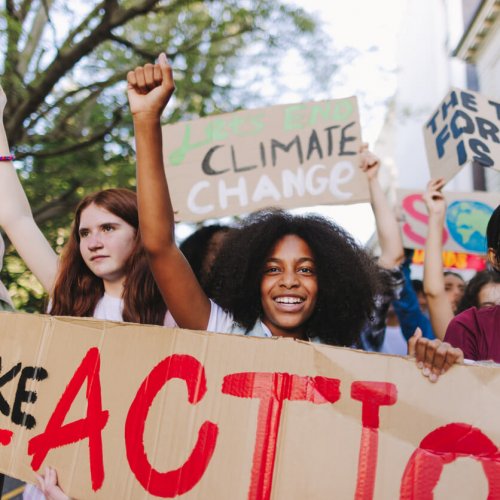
(17, 220)
(440, 309)
(149, 90)
(388, 231)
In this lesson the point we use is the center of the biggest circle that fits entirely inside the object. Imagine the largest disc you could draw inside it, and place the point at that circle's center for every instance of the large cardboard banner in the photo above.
(467, 216)
(134, 412)
(287, 156)
(464, 129)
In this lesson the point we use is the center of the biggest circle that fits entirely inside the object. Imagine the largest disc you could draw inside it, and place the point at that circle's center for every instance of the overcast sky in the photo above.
(372, 29)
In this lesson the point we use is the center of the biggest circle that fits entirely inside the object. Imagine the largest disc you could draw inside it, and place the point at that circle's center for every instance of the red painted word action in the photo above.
(441, 446)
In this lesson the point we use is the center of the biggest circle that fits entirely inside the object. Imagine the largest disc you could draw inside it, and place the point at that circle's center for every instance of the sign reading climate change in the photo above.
(287, 156)
(464, 129)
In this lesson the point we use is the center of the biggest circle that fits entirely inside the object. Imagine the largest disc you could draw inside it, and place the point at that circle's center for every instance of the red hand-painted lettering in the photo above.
(176, 482)
(272, 389)
(409, 205)
(372, 395)
(56, 434)
(5, 437)
(442, 446)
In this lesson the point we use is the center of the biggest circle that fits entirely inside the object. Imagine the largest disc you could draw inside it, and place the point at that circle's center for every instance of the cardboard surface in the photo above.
(465, 128)
(266, 418)
(286, 156)
(467, 216)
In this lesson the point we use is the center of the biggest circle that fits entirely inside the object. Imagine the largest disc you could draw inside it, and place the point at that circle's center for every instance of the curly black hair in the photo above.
(475, 285)
(347, 276)
(196, 247)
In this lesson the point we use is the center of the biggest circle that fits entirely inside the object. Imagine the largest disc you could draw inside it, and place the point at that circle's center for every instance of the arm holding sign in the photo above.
(149, 90)
(433, 357)
(48, 485)
(17, 220)
(388, 231)
(440, 308)
(392, 252)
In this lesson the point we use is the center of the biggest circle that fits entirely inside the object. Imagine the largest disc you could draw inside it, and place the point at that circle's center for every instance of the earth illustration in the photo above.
(467, 221)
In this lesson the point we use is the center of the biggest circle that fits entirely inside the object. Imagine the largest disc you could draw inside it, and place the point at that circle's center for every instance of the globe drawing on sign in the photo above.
(467, 221)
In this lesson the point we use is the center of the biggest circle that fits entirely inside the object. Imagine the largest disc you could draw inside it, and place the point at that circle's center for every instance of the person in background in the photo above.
(418, 288)
(442, 290)
(397, 314)
(476, 331)
(373, 334)
(201, 248)
(408, 306)
(483, 290)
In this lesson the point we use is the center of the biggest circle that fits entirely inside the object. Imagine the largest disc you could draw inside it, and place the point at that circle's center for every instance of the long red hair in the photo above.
(77, 289)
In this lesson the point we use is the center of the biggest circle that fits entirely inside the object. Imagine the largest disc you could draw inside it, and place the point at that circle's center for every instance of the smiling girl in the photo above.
(284, 275)
(276, 275)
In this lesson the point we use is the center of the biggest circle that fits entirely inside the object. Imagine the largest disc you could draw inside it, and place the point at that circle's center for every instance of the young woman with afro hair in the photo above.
(278, 275)
(249, 278)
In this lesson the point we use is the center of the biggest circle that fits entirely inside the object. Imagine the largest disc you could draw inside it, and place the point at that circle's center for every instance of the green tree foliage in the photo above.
(63, 67)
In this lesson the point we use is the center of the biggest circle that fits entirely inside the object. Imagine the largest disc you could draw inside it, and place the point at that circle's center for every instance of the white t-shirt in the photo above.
(223, 322)
(111, 309)
(394, 341)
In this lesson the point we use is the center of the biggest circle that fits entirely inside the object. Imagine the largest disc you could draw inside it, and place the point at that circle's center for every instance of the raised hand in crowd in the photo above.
(149, 90)
(433, 357)
(16, 217)
(441, 303)
(391, 255)
(388, 232)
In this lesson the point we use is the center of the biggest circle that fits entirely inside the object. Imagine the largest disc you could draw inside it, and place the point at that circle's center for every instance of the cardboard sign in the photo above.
(286, 156)
(465, 128)
(467, 216)
(134, 412)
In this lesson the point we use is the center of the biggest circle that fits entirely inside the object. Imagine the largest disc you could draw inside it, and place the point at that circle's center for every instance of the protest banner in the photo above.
(467, 216)
(286, 156)
(133, 412)
(464, 129)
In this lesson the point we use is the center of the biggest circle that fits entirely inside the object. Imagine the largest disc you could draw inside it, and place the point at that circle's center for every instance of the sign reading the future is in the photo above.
(464, 129)
(286, 156)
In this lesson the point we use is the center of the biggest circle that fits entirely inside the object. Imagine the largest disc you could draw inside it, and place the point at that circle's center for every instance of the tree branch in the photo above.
(92, 88)
(68, 56)
(97, 137)
(59, 206)
(35, 33)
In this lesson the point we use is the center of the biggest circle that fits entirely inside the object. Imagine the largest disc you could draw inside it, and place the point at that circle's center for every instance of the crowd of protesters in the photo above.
(271, 274)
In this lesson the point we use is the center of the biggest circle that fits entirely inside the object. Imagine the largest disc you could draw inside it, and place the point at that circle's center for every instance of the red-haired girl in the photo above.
(103, 270)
